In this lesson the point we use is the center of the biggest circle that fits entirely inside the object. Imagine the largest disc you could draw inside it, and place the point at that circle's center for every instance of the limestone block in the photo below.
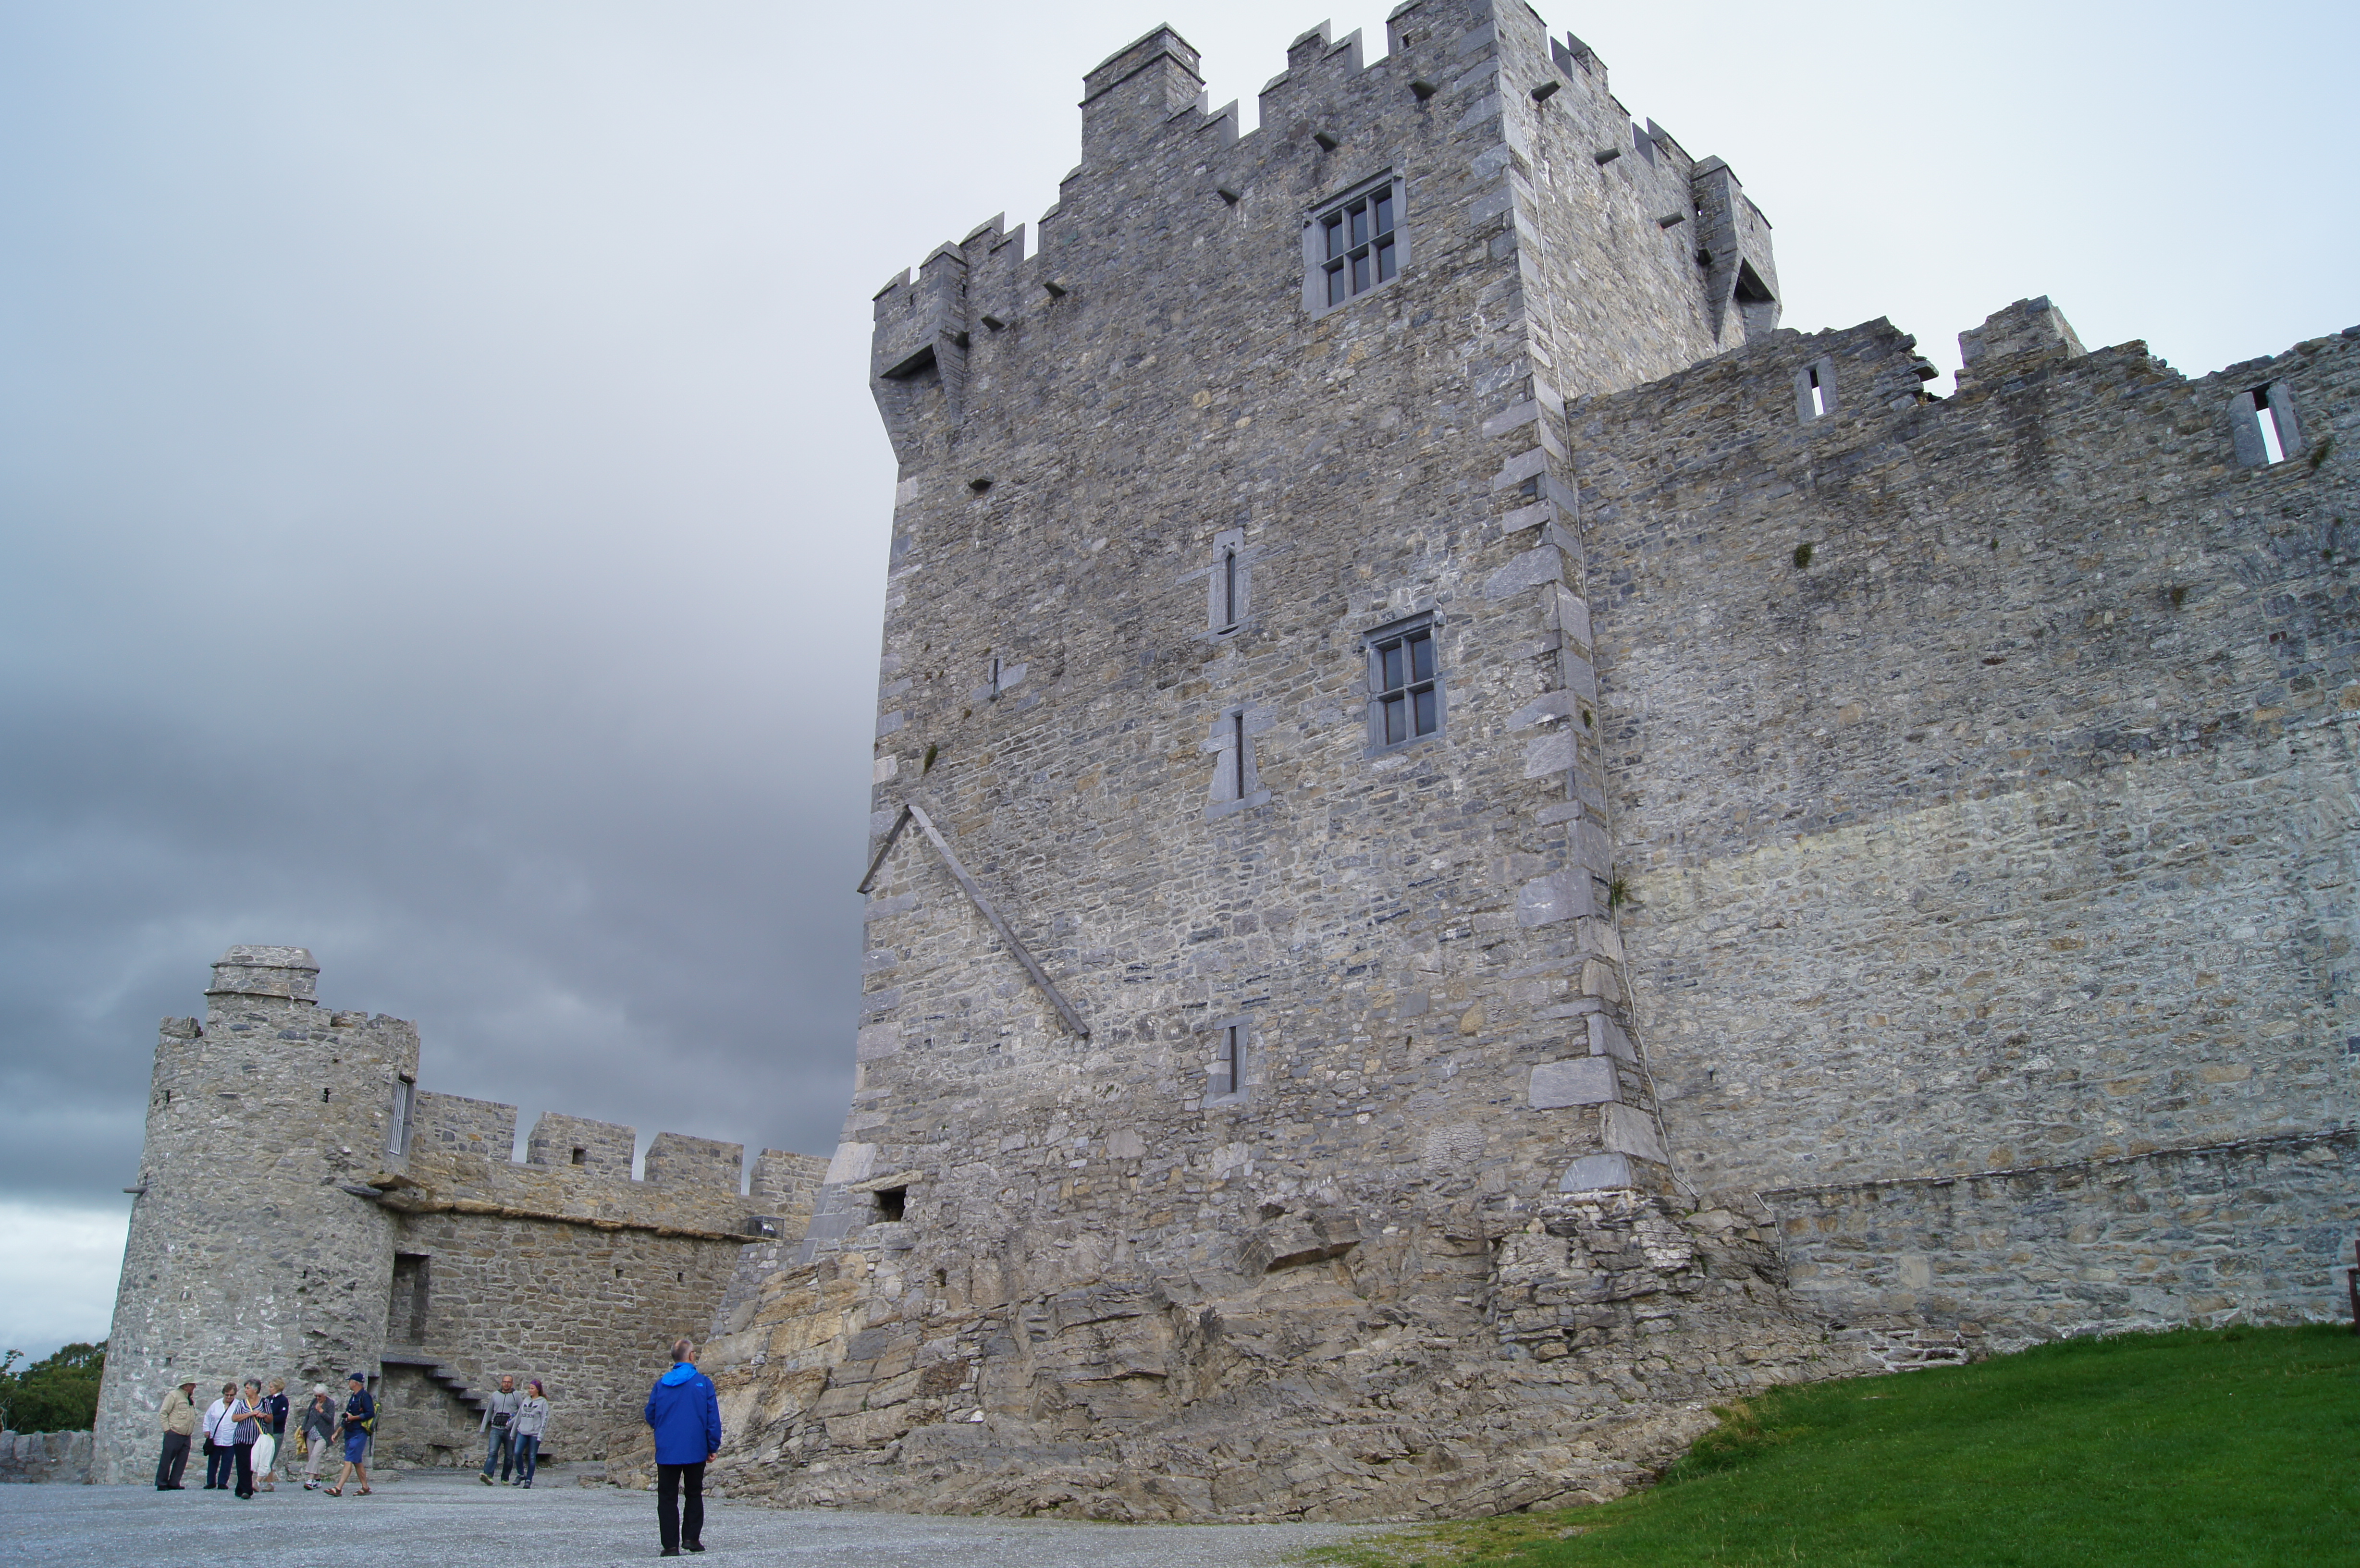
(1582, 1081)
(1560, 896)
(1596, 1171)
(1629, 1129)
(853, 1163)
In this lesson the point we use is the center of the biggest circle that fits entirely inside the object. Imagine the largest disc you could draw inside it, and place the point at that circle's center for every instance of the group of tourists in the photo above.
(245, 1436)
(246, 1432)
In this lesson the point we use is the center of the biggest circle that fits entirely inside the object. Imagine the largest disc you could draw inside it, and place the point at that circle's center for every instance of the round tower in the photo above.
(254, 1249)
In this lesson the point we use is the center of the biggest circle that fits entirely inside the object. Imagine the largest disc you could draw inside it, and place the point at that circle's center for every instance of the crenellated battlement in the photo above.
(1499, 133)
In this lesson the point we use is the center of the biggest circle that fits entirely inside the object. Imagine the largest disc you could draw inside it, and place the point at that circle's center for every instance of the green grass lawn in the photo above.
(2218, 1449)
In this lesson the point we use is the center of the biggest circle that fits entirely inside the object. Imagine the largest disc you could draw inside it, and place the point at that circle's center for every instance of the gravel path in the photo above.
(447, 1516)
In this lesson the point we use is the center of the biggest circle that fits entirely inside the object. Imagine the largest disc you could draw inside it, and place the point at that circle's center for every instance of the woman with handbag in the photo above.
(218, 1448)
(247, 1413)
(274, 1434)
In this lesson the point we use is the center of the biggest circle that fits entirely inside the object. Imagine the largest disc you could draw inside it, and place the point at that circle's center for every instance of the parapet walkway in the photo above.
(428, 1519)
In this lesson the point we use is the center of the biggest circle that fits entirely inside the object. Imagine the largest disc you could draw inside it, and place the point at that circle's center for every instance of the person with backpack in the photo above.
(531, 1423)
(498, 1427)
(360, 1419)
(686, 1416)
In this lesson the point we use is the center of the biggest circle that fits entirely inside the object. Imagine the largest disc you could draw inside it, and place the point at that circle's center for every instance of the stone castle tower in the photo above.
(1476, 848)
(305, 1211)
(247, 1250)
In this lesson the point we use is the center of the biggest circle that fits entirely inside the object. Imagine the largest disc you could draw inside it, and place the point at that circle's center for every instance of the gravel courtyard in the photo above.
(447, 1516)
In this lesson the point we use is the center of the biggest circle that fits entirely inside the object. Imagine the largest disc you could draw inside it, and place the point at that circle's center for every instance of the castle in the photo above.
(304, 1209)
(1476, 848)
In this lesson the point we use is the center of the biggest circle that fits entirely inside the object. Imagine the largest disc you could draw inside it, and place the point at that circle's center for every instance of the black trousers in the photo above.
(219, 1465)
(174, 1459)
(245, 1453)
(675, 1524)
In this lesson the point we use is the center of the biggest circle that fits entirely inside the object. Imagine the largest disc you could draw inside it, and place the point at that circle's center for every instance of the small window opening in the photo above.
(1405, 698)
(1355, 245)
(1237, 753)
(1815, 390)
(406, 1318)
(581, 1157)
(405, 1106)
(1231, 1069)
(893, 1202)
(680, 1275)
(2266, 430)
(991, 681)
(323, 1096)
(1229, 589)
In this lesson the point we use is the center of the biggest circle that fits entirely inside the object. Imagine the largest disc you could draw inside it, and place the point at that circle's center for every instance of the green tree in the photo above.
(57, 1393)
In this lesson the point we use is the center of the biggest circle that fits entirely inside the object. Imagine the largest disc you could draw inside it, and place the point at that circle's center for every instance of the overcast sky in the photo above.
(443, 516)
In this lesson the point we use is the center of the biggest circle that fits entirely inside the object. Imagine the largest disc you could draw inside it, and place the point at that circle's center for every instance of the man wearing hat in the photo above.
(179, 1418)
(360, 1417)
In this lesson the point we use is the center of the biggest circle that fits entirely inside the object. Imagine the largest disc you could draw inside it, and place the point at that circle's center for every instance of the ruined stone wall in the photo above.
(250, 1252)
(2014, 829)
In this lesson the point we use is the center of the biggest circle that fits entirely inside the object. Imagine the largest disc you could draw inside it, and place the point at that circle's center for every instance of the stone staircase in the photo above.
(449, 1377)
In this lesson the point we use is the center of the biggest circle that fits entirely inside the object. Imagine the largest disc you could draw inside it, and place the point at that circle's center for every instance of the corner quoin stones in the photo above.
(304, 1209)
(1780, 962)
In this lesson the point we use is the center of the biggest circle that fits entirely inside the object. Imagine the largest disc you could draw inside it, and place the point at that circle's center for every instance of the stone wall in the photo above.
(2016, 828)
(591, 1312)
(2256, 1232)
(54, 1456)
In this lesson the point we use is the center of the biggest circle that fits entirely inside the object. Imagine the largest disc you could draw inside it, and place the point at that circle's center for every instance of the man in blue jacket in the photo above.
(687, 1421)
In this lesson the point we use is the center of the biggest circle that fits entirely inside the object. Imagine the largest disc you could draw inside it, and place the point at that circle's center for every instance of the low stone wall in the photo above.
(45, 1456)
(1946, 1267)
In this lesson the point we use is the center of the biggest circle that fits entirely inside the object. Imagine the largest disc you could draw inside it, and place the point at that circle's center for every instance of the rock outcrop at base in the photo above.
(1542, 1356)
(56, 1456)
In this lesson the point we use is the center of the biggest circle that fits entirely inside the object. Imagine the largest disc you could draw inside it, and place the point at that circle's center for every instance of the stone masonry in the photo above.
(304, 1209)
(1851, 878)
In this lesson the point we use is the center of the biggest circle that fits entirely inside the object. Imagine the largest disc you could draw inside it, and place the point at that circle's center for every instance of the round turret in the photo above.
(266, 1120)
